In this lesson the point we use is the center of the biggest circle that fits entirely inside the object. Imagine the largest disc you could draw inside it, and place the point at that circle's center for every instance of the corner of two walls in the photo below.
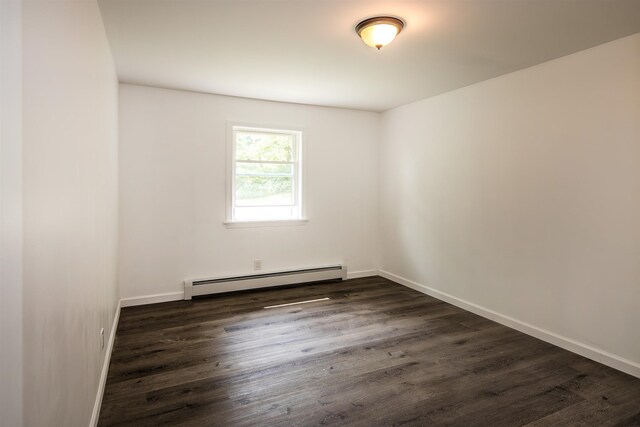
(519, 198)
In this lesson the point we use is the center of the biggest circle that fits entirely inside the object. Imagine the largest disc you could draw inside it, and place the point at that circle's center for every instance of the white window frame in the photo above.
(299, 174)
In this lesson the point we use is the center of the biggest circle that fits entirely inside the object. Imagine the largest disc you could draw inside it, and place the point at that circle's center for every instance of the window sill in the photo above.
(273, 223)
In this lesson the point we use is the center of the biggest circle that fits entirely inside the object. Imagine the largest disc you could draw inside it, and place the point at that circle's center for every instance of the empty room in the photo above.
(320, 213)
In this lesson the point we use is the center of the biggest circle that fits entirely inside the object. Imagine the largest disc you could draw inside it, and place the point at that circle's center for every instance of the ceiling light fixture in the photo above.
(379, 31)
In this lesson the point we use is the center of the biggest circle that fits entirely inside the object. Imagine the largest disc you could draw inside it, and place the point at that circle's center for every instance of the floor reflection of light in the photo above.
(296, 303)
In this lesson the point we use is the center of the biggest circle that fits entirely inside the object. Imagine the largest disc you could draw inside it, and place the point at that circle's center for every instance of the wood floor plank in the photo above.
(374, 354)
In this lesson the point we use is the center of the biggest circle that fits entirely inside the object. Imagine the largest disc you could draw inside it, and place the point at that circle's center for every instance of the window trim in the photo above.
(300, 174)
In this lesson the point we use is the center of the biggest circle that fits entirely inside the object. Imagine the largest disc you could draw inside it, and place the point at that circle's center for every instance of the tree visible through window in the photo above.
(266, 178)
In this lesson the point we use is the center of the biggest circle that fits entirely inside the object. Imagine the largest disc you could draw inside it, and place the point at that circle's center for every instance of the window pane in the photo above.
(264, 146)
(264, 190)
(263, 169)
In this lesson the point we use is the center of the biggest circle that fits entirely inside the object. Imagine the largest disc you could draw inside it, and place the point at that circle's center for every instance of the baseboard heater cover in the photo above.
(195, 287)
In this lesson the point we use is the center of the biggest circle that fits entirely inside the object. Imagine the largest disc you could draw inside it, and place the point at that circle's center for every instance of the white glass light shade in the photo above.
(379, 31)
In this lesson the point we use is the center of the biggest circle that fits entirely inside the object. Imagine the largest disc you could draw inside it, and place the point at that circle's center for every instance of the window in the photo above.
(266, 174)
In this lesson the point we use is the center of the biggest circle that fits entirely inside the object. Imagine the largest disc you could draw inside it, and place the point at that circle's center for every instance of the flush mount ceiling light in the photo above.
(379, 31)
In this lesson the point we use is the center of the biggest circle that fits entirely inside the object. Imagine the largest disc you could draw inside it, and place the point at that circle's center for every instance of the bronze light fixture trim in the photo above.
(379, 31)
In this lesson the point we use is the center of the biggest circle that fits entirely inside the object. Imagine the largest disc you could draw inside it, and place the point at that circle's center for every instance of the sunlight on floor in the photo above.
(296, 303)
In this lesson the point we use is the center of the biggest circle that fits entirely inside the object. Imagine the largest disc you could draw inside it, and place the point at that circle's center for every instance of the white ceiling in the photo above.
(307, 52)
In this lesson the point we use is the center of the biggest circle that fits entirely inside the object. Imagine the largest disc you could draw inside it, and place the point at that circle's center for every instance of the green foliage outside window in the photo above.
(264, 146)
(264, 183)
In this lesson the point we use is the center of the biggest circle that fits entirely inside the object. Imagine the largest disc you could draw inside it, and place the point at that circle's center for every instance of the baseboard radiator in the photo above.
(195, 287)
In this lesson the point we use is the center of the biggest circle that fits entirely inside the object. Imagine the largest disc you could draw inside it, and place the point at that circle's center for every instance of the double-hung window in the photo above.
(266, 174)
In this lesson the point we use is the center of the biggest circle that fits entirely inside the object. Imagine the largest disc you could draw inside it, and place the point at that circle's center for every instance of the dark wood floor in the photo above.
(374, 354)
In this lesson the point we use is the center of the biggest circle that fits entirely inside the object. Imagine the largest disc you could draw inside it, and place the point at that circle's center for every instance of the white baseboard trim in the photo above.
(152, 299)
(105, 368)
(582, 349)
(362, 273)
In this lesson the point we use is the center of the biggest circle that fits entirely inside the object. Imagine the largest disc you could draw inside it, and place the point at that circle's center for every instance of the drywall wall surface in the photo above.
(521, 194)
(11, 212)
(70, 208)
(173, 182)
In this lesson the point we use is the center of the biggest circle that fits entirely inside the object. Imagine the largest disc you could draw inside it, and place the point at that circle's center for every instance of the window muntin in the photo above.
(266, 181)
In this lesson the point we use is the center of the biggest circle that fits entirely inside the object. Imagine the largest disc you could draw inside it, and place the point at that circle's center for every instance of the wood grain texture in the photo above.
(374, 354)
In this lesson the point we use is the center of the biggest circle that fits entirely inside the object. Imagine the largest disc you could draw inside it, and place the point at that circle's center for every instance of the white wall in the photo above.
(11, 213)
(521, 195)
(70, 208)
(172, 188)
